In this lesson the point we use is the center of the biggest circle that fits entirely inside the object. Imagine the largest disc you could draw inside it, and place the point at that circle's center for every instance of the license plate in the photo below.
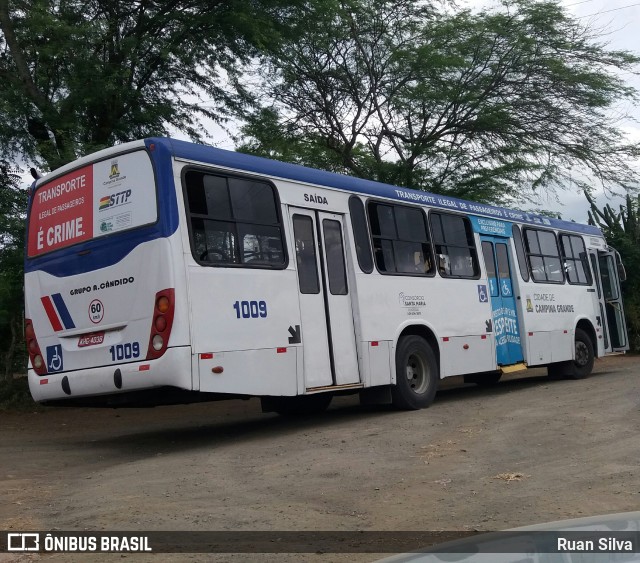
(91, 339)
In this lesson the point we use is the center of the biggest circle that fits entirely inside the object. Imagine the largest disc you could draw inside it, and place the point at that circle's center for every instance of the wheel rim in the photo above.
(417, 374)
(582, 354)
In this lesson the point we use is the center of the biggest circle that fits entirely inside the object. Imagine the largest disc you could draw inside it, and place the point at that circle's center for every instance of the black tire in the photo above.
(483, 379)
(416, 374)
(582, 365)
(302, 405)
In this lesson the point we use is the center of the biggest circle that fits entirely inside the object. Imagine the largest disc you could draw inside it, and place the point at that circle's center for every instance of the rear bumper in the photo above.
(172, 369)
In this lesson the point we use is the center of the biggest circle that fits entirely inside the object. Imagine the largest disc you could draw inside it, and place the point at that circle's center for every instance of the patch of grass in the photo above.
(15, 395)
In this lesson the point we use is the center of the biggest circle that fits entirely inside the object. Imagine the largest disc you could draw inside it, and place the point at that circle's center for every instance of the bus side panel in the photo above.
(378, 365)
(390, 304)
(245, 318)
(550, 314)
(270, 371)
(462, 354)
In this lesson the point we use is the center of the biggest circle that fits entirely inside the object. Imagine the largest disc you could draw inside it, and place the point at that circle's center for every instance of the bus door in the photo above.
(327, 330)
(605, 266)
(503, 303)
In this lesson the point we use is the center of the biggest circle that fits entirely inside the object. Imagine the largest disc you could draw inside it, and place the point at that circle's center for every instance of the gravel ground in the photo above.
(525, 451)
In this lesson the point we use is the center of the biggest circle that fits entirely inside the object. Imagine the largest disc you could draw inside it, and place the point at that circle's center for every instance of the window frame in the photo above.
(521, 253)
(528, 254)
(432, 271)
(468, 230)
(585, 263)
(357, 236)
(238, 176)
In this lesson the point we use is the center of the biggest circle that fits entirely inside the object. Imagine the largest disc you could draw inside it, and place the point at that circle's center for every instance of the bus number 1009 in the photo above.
(125, 351)
(250, 309)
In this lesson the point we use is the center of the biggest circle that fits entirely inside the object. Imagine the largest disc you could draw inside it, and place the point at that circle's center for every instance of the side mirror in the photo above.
(622, 273)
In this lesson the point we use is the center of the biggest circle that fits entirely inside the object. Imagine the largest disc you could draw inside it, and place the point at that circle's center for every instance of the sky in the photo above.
(619, 21)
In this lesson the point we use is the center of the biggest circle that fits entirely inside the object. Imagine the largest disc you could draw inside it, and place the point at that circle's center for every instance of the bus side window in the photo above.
(234, 221)
(522, 261)
(544, 256)
(334, 252)
(305, 246)
(455, 246)
(360, 234)
(576, 264)
(400, 239)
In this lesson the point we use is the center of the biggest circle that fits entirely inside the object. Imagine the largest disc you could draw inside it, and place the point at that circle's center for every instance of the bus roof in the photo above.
(322, 178)
(274, 168)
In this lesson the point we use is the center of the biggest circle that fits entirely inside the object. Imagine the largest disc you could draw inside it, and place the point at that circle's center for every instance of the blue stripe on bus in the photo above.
(107, 251)
(321, 178)
(67, 321)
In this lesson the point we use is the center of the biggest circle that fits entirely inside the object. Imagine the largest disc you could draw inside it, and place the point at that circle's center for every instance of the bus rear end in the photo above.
(100, 299)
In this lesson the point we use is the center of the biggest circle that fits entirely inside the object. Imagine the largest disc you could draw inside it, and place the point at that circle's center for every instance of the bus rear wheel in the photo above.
(416, 374)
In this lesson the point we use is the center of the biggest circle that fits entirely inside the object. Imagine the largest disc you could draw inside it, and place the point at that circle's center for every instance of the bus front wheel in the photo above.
(416, 374)
(584, 356)
(581, 366)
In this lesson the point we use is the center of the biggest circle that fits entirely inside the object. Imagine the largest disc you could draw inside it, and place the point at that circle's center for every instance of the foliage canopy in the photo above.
(488, 106)
(13, 204)
(82, 75)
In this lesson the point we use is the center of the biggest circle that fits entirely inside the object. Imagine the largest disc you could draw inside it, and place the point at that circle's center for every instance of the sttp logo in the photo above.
(121, 198)
(54, 358)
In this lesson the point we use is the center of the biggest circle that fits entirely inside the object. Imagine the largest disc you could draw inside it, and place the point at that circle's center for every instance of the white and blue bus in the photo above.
(161, 271)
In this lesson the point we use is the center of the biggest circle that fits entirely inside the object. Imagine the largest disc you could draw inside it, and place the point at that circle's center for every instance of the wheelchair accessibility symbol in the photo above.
(506, 288)
(54, 358)
(483, 297)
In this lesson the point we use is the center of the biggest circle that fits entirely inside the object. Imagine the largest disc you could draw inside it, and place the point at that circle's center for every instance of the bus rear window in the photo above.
(96, 200)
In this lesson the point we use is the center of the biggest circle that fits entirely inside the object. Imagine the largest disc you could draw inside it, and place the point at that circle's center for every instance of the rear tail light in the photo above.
(163, 309)
(34, 348)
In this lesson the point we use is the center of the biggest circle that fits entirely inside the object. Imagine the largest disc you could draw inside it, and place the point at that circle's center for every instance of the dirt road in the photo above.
(528, 450)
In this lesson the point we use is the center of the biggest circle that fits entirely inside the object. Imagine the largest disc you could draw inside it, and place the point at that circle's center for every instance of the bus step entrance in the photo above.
(513, 368)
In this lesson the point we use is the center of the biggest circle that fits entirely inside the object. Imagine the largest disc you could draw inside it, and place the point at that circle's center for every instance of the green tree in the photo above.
(82, 75)
(13, 202)
(489, 106)
(622, 230)
(78, 76)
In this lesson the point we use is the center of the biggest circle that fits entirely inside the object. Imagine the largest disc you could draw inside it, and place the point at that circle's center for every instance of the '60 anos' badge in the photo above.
(96, 311)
